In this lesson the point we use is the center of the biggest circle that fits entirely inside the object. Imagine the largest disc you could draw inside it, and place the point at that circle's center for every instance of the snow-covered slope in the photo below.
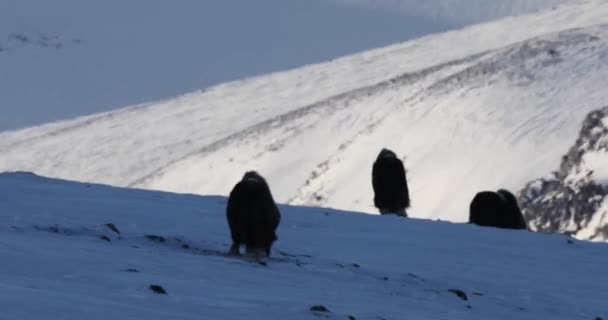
(61, 261)
(573, 199)
(460, 10)
(494, 105)
(67, 58)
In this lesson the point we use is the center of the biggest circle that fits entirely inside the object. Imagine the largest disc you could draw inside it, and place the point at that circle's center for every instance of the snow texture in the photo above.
(86, 251)
(489, 106)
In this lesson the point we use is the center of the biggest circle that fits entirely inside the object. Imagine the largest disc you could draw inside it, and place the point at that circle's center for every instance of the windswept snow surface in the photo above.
(55, 264)
(489, 106)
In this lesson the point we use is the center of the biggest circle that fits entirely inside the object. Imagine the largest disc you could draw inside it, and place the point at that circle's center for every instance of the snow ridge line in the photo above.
(266, 125)
(78, 123)
(516, 53)
(324, 166)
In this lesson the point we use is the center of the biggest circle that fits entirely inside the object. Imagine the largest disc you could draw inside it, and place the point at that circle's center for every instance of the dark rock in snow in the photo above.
(319, 308)
(459, 293)
(19, 38)
(155, 238)
(112, 227)
(157, 289)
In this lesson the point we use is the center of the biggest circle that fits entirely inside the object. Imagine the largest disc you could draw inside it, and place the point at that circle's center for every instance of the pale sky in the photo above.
(115, 53)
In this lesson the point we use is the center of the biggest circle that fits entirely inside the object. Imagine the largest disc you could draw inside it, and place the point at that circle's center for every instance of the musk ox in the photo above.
(514, 219)
(496, 209)
(391, 194)
(253, 216)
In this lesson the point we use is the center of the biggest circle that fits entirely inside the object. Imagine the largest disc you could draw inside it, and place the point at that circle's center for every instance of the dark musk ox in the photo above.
(391, 194)
(515, 218)
(252, 216)
(496, 209)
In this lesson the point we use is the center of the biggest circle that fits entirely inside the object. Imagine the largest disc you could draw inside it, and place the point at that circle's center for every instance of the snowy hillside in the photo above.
(573, 199)
(61, 256)
(493, 105)
(67, 58)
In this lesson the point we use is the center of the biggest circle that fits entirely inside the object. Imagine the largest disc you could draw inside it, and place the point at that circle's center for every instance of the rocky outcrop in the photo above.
(573, 199)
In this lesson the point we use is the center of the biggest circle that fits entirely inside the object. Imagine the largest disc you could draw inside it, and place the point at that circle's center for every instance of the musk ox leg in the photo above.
(234, 250)
(256, 254)
(401, 213)
(398, 212)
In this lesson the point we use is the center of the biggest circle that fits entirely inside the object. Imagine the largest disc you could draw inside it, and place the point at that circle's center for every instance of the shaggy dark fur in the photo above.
(496, 209)
(391, 194)
(514, 218)
(252, 215)
(486, 209)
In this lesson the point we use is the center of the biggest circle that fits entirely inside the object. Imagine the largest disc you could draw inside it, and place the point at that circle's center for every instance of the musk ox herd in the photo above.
(253, 216)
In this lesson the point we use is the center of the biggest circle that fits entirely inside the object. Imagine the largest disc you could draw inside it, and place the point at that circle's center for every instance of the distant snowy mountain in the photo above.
(492, 105)
(85, 251)
(67, 58)
(466, 11)
(573, 200)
